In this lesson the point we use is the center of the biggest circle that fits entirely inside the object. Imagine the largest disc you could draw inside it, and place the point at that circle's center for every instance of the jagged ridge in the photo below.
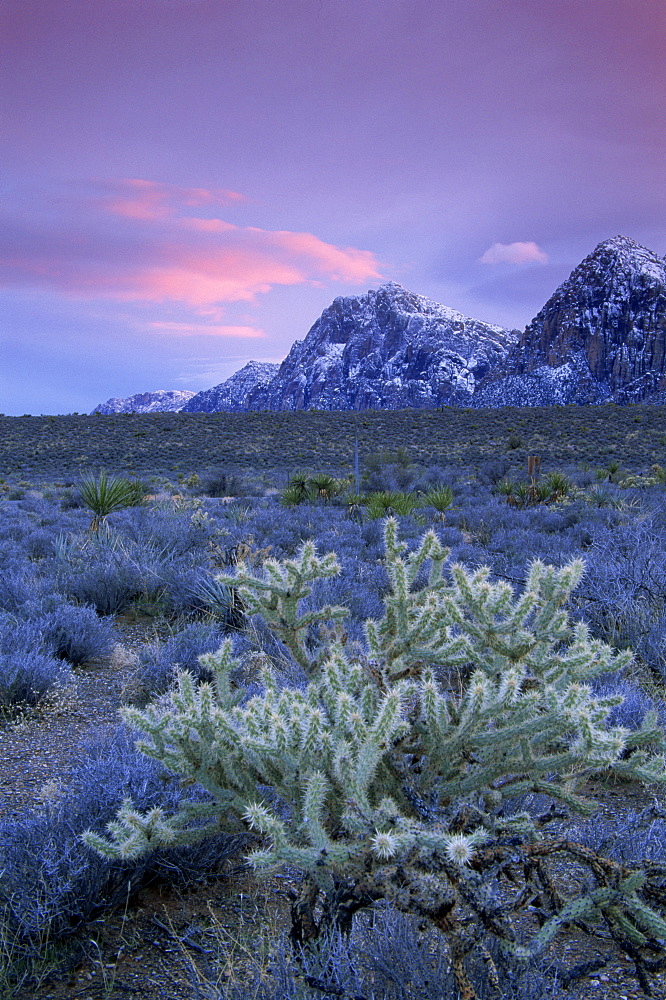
(387, 349)
(231, 396)
(147, 402)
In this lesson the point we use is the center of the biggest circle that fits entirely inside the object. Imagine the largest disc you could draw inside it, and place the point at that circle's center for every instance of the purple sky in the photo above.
(186, 184)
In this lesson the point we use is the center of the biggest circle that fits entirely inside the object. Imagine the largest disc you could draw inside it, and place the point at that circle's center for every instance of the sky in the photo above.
(187, 184)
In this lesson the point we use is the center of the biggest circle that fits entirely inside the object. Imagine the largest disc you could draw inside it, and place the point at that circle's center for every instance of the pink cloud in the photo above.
(514, 253)
(208, 225)
(136, 244)
(345, 264)
(201, 279)
(206, 329)
(206, 196)
(135, 198)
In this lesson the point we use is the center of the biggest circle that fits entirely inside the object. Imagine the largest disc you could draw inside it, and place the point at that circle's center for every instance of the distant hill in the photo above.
(147, 402)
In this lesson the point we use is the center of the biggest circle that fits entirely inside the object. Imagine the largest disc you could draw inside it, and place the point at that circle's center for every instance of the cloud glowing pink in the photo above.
(206, 329)
(156, 253)
(514, 253)
(135, 198)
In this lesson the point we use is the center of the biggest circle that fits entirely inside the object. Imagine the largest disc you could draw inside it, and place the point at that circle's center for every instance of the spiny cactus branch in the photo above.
(393, 774)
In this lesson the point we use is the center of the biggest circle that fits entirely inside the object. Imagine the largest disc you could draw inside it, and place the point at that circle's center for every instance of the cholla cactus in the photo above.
(393, 773)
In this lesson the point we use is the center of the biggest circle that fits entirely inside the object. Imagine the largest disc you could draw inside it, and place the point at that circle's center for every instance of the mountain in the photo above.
(231, 396)
(387, 349)
(147, 402)
(601, 337)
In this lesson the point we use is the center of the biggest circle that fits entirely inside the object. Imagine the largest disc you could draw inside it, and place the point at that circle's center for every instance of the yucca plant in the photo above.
(553, 487)
(291, 496)
(354, 503)
(521, 495)
(300, 481)
(297, 491)
(219, 600)
(540, 492)
(440, 499)
(608, 473)
(390, 502)
(323, 487)
(603, 496)
(506, 488)
(104, 494)
(558, 485)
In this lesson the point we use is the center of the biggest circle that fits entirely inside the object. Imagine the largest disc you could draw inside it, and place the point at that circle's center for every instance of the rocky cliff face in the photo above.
(232, 396)
(146, 402)
(600, 337)
(388, 349)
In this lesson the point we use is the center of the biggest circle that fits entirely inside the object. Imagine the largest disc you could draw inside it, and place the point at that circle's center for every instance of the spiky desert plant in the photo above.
(541, 492)
(521, 495)
(559, 485)
(104, 494)
(299, 481)
(603, 496)
(323, 487)
(555, 486)
(220, 601)
(390, 502)
(394, 771)
(440, 498)
(298, 490)
(506, 488)
(354, 503)
(291, 496)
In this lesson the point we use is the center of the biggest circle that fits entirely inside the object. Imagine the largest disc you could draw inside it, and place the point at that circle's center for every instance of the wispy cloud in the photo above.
(205, 329)
(135, 198)
(139, 241)
(514, 253)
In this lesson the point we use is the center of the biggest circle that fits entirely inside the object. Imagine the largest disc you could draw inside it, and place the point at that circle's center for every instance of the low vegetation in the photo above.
(443, 728)
(208, 443)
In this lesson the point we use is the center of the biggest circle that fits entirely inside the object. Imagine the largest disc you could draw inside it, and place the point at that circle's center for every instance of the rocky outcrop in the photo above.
(387, 349)
(600, 337)
(232, 396)
(147, 402)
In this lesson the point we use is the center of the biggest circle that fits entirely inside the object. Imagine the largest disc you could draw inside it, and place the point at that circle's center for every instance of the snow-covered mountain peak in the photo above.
(388, 348)
(621, 259)
(603, 330)
(147, 402)
(231, 394)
